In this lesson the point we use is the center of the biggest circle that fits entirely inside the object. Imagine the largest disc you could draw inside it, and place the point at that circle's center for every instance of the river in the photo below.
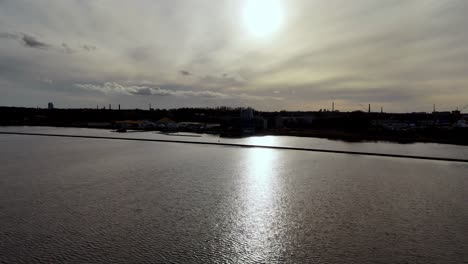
(80, 200)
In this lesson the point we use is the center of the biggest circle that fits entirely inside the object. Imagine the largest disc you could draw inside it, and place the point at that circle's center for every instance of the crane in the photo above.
(366, 109)
(363, 107)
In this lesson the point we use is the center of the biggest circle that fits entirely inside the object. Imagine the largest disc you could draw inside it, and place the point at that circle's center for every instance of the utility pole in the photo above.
(381, 109)
(119, 107)
(333, 106)
(434, 108)
(369, 108)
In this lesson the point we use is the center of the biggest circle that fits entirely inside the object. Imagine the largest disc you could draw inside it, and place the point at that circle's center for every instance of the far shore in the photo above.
(407, 137)
(367, 136)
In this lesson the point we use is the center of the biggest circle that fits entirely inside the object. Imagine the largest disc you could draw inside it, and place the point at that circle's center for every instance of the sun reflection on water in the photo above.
(262, 141)
(260, 193)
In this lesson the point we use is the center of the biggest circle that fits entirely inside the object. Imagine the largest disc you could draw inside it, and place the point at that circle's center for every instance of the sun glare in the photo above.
(262, 17)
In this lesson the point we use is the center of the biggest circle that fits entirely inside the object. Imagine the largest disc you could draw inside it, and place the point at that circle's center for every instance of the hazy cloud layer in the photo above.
(405, 55)
(145, 90)
(115, 88)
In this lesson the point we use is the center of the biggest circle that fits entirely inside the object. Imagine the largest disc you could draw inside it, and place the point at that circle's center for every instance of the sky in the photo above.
(402, 55)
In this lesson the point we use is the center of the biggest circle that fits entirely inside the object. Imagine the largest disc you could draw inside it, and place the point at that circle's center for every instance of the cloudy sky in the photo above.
(404, 55)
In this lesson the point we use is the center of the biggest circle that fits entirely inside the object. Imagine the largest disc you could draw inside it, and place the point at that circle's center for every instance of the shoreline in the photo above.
(374, 154)
(363, 137)
(346, 136)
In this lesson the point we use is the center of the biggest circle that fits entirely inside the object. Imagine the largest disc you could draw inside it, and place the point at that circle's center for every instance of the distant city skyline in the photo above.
(362, 108)
(402, 55)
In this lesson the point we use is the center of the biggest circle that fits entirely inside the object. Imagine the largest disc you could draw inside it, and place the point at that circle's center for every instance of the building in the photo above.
(129, 124)
(247, 114)
(247, 121)
(190, 126)
(166, 123)
(50, 105)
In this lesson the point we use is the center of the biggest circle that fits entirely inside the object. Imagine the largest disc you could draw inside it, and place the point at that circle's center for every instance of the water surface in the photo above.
(416, 149)
(92, 200)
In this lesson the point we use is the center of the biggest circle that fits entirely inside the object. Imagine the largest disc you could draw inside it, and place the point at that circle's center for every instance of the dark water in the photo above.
(88, 201)
(416, 149)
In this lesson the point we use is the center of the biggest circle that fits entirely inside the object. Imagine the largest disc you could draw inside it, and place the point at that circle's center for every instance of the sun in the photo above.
(262, 18)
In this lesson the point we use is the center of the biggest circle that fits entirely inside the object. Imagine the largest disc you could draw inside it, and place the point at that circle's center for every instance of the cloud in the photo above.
(67, 48)
(407, 53)
(89, 47)
(115, 88)
(224, 80)
(25, 39)
(110, 88)
(8, 35)
(31, 41)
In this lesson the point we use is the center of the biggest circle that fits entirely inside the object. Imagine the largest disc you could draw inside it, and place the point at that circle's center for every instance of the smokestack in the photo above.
(369, 108)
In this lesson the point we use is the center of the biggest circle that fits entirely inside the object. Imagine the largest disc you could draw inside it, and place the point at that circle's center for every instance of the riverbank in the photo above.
(244, 146)
(453, 137)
